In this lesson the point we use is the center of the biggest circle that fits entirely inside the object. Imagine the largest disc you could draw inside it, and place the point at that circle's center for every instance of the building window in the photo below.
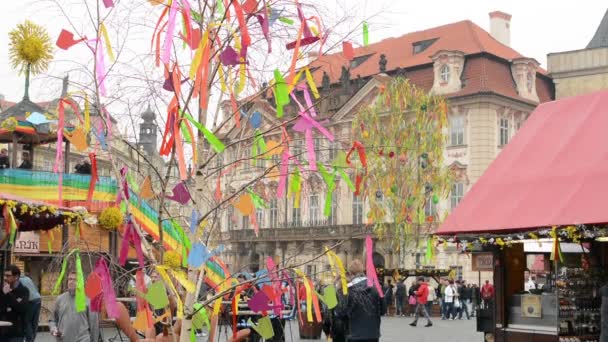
(230, 219)
(430, 208)
(456, 271)
(260, 162)
(318, 148)
(456, 130)
(219, 161)
(296, 217)
(296, 150)
(333, 150)
(504, 131)
(357, 210)
(274, 213)
(259, 217)
(445, 73)
(245, 222)
(311, 271)
(332, 219)
(313, 209)
(457, 194)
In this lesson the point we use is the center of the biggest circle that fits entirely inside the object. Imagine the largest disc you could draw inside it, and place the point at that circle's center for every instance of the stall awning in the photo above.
(553, 172)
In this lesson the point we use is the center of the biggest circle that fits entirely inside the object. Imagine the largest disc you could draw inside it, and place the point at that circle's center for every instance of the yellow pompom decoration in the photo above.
(30, 47)
(9, 124)
(110, 218)
(172, 259)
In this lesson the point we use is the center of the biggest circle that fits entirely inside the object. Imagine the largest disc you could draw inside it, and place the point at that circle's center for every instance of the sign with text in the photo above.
(27, 242)
(483, 262)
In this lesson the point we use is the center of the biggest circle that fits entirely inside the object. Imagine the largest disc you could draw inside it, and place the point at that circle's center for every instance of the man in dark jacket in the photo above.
(4, 161)
(464, 296)
(604, 314)
(363, 305)
(13, 305)
(400, 293)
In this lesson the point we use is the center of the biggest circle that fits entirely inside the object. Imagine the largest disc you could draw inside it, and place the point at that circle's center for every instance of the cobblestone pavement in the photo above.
(394, 329)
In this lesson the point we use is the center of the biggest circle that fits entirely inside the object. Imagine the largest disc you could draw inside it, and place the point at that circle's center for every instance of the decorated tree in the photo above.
(203, 52)
(403, 135)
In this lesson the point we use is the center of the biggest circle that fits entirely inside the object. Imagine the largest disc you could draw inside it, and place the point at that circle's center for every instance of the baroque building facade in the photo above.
(491, 89)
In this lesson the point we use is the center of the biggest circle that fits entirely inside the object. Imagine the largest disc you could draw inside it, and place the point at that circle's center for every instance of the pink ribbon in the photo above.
(131, 236)
(276, 283)
(372, 277)
(169, 37)
(283, 173)
(101, 268)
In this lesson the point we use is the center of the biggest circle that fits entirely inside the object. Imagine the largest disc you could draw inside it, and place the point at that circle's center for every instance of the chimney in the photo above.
(500, 27)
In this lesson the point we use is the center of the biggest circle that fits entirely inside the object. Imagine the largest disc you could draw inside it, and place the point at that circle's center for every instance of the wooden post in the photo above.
(14, 157)
(66, 158)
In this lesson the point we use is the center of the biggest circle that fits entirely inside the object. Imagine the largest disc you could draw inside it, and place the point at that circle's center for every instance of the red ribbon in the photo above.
(94, 178)
(358, 146)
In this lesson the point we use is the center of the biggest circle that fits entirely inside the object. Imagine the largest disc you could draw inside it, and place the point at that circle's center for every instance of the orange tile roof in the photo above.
(462, 36)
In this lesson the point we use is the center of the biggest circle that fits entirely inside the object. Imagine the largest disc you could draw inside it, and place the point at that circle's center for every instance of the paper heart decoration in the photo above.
(92, 288)
(180, 194)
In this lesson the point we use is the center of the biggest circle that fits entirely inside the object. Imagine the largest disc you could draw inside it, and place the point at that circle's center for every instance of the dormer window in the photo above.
(445, 73)
(422, 45)
(529, 81)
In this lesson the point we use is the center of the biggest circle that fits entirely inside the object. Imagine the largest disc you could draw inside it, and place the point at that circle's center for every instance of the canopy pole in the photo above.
(14, 157)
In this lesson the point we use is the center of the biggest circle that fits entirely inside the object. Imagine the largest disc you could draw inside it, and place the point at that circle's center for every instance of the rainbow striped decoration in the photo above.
(42, 186)
(216, 272)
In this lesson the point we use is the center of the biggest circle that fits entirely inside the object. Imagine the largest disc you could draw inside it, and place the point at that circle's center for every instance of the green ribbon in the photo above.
(365, 34)
(81, 304)
(429, 250)
(259, 145)
(258, 201)
(80, 299)
(331, 186)
(281, 92)
(185, 133)
(286, 20)
(295, 184)
(217, 145)
(346, 179)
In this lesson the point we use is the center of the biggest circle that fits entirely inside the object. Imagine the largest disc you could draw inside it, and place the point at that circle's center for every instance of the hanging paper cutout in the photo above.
(38, 119)
(92, 287)
(108, 3)
(256, 120)
(146, 189)
(244, 204)
(66, 40)
(157, 296)
(229, 57)
(198, 255)
(347, 51)
(329, 296)
(180, 194)
(263, 327)
(78, 138)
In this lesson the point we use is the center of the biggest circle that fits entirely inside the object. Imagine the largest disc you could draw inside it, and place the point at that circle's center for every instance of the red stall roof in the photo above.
(553, 172)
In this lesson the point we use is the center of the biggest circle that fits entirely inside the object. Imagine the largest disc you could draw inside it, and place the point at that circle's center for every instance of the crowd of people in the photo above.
(455, 299)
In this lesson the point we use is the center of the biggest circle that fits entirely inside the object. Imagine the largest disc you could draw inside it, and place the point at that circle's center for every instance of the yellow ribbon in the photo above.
(198, 55)
(308, 294)
(334, 257)
(311, 84)
(182, 278)
(106, 38)
(162, 271)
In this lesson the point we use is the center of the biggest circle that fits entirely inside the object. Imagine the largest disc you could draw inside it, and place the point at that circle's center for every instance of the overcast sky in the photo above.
(537, 27)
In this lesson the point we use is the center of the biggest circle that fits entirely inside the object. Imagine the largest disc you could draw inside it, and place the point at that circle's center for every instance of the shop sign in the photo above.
(27, 242)
(483, 262)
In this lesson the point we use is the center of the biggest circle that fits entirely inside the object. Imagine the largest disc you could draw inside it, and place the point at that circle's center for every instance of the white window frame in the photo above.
(457, 123)
(313, 209)
(297, 150)
(456, 194)
(318, 144)
(503, 131)
(245, 222)
(444, 73)
(333, 150)
(296, 216)
(357, 208)
(274, 213)
(332, 219)
(259, 216)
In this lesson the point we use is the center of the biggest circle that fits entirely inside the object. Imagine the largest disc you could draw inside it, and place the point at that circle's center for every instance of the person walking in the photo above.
(475, 298)
(32, 313)
(430, 300)
(363, 306)
(400, 293)
(449, 296)
(13, 305)
(411, 300)
(388, 296)
(4, 161)
(66, 324)
(487, 294)
(440, 289)
(422, 295)
(463, 297)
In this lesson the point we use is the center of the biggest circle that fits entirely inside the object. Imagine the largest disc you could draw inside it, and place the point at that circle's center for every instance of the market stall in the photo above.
(539, 211)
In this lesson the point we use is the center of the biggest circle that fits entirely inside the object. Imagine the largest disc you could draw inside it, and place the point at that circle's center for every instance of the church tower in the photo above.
(147, 132)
